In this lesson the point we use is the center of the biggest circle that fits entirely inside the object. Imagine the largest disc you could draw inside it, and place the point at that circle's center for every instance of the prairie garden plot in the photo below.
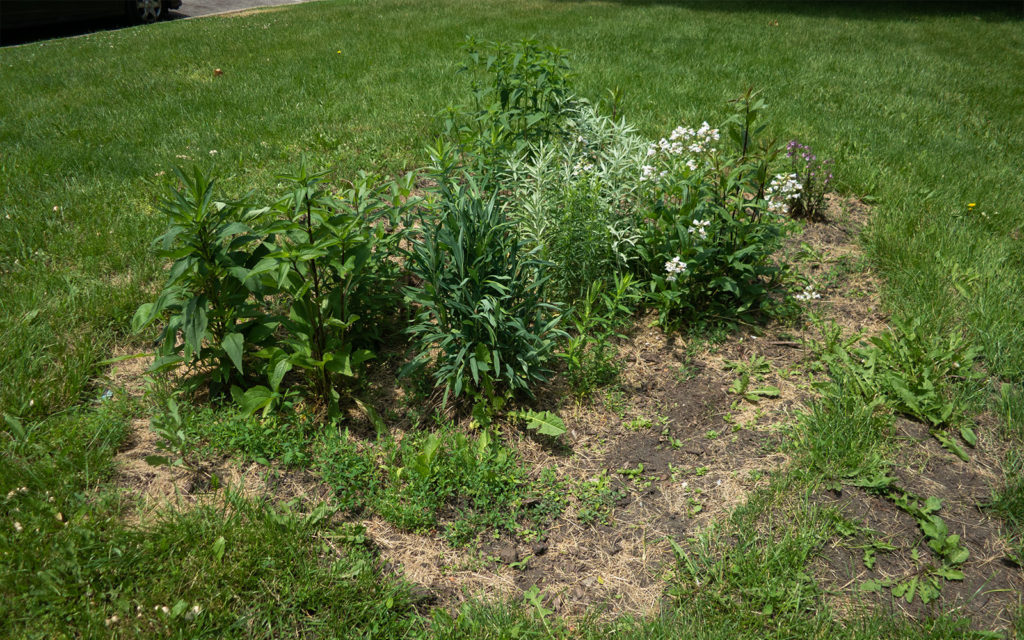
(664, 453)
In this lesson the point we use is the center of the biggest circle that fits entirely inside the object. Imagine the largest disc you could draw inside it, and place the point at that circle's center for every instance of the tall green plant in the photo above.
(318, 253)
(212, 308)
(710, 234)
(527, 99)
(305, 284)
(482, 316)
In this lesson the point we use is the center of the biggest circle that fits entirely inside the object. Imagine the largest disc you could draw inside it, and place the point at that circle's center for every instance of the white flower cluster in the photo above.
(582, 166)
(783, 189)
(807, 294)
(700, 227)
(674, 267)
(682, 140)
(649, 173)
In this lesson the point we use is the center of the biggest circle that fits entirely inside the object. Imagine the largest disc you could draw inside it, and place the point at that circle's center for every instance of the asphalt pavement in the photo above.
(197, 8)
(188, 9)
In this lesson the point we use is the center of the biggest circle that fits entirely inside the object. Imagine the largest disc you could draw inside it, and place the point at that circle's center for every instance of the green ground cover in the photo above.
(919, 105)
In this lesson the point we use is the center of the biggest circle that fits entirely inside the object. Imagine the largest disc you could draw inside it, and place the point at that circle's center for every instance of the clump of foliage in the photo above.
(215, 312)
(483, 317)
(912, 373)
(813, 177)
(709, 239)
(574, 198)
(527, 100)
(257, 292)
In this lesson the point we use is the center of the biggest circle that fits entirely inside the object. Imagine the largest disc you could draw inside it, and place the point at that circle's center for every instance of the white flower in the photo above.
(17, 526)
(807, 294)
(674, 267)
(700, 228)
(782, 189)
(213, 152)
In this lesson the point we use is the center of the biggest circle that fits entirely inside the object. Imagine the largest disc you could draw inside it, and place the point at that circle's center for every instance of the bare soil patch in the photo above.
(992, 589)
(681, 450)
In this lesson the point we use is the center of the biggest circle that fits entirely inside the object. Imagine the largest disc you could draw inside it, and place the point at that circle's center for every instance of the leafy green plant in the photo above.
(575, 198)
(482, 317)
(349, 467)
(178, 446)
(526, 100)
(752, 371)
(951, 554)
(317, 251)
(710, 237)
(282, 437)
(913, 374)
(208, 299)
(814, 177)
(590, 355)
(173, 439)
(597, 496)
(281, 286)
(476, 482)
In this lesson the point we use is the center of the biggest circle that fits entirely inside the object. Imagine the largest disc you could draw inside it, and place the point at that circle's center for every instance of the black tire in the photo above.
(146, 11)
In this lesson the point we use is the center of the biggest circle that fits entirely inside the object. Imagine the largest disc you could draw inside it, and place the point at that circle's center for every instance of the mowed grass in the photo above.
(920, 105)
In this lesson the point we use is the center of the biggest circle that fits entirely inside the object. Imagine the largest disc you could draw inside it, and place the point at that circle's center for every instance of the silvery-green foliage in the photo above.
(573, 200)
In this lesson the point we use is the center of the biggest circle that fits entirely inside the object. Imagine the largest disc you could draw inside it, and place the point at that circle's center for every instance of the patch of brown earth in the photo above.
(158, 486)
(702, 451)
(992, 590)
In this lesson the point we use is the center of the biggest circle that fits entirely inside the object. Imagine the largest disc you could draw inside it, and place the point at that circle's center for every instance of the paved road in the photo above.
(189, 9)
(196, 8)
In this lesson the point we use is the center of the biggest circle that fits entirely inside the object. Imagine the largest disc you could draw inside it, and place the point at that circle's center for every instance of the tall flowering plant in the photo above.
(812, 178)
(711, 226)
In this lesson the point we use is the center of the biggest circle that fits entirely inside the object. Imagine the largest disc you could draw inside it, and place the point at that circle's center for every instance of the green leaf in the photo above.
(869, 558)
(195, 324)
(233, 345)
(372, 415)
(969, 436)
(951, 446)
(277, 373)
(959, 556)
(158, 461)
(544, 422)
(872, 586)
(143, 316)
(424, 464)
(218, 548)
(254, 399)
(179, 608)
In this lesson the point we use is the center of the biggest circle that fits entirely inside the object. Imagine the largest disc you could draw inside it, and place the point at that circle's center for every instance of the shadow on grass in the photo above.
(11, 36)
(857, 10)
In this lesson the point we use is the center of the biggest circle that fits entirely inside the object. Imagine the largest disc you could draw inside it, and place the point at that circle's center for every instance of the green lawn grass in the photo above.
(919, 104)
